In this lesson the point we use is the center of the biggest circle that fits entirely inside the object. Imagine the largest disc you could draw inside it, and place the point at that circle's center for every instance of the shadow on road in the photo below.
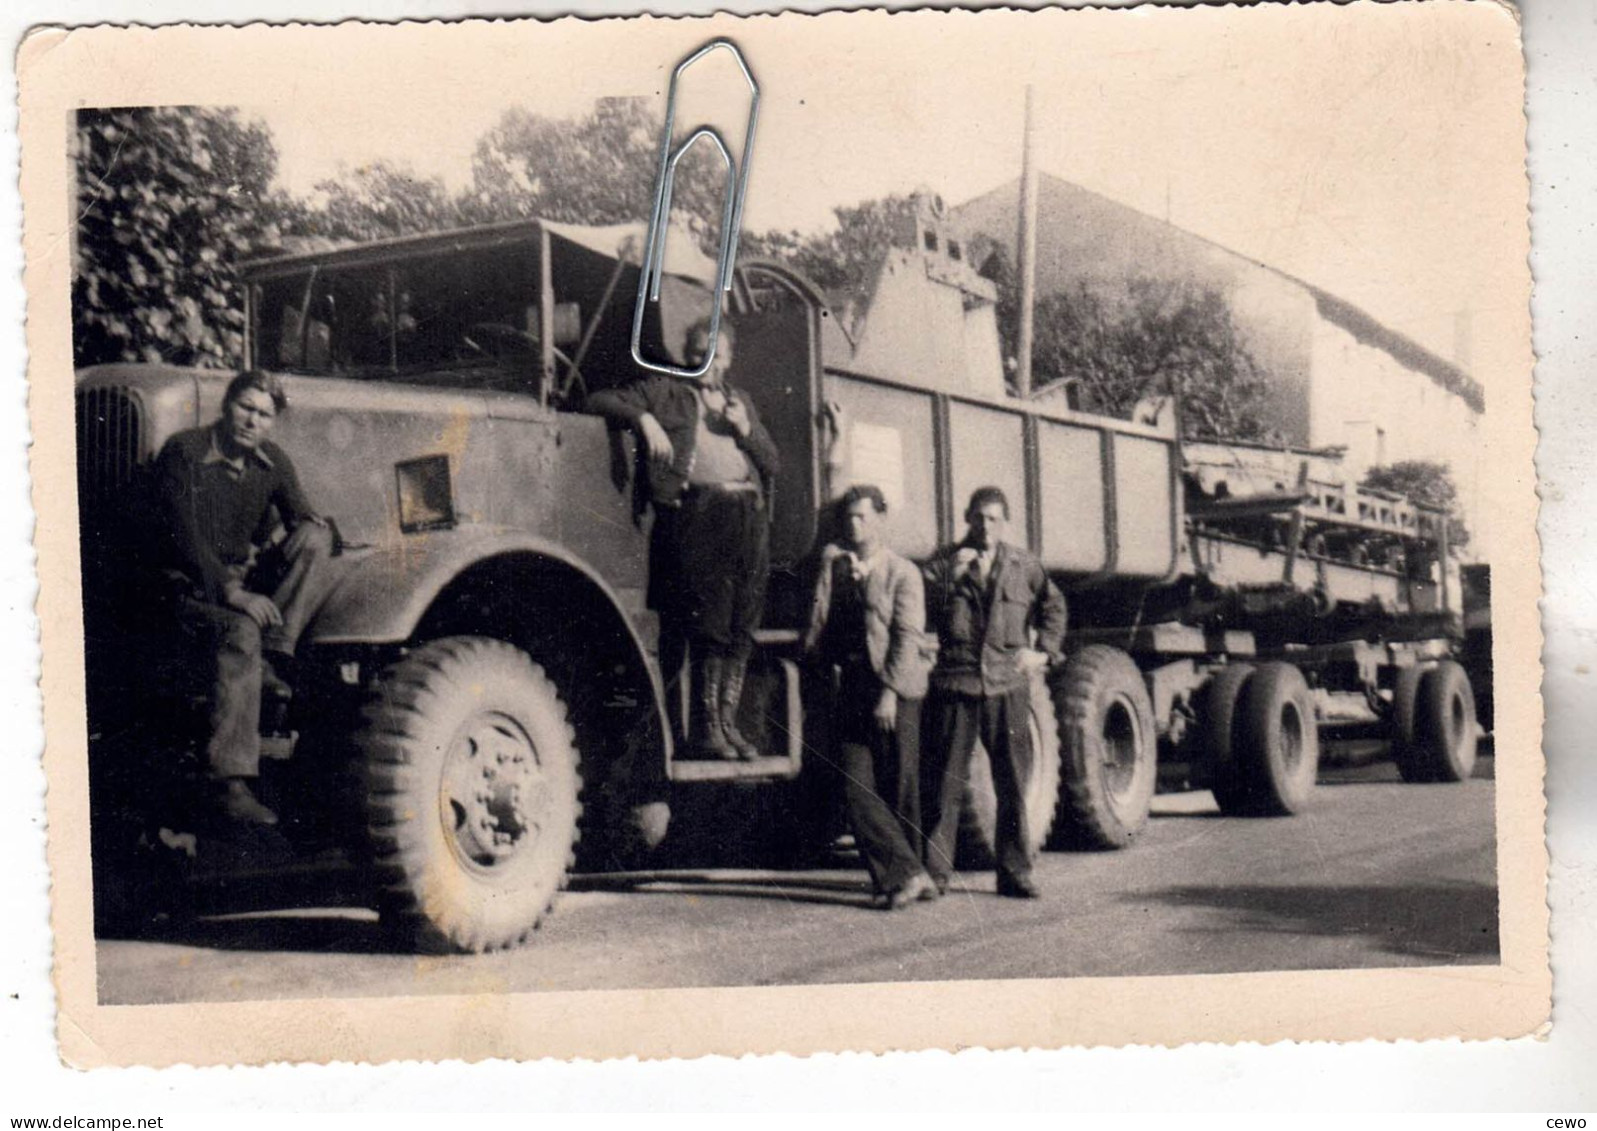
(1444, 922)
(1386, 772)
(343, 929)
(312, 909)
(1332, 776)
(786, 888)
(289, 933)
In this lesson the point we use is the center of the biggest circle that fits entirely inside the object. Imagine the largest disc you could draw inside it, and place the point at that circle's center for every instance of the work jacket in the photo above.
(896, 644)
(213, 517)
(674, 402)
(982, 627)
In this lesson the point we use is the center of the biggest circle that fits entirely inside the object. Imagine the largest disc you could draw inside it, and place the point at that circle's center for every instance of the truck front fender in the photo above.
(384, 592)
(522, 588)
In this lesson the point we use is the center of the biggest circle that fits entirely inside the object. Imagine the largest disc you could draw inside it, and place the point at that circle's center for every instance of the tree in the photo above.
(597, 169)
(1427, 482)
(377, 201)
(1146, 337)
(169, 200)
(844, 259)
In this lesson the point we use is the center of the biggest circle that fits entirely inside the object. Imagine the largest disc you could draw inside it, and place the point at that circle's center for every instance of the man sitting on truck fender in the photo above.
(215, 490)
(867, 626)
(710, 469)
(984, 596)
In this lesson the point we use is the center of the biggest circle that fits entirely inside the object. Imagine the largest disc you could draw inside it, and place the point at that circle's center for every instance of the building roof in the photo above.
(1406, 350)
(1107, 235)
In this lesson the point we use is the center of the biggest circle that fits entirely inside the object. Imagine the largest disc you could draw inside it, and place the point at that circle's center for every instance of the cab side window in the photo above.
(454, 321)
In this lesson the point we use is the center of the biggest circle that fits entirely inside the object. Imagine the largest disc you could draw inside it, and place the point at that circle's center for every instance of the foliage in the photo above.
(169, 200)
(172, 199)
(597, 169)
(843, 260)
(1428, 482)
(377, 201)
(1145, 338)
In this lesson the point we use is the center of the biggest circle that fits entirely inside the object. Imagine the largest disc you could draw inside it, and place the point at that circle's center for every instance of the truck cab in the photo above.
(488, 524)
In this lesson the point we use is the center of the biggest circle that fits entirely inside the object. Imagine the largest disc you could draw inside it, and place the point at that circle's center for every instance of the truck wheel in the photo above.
(1444, 723)
(472, 783)
(979, 821)
(1221, 700)
(1110, 750)
(1406, 747)
(1279, 752)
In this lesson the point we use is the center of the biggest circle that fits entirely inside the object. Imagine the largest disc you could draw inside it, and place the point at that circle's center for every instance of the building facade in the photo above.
(1338, 378)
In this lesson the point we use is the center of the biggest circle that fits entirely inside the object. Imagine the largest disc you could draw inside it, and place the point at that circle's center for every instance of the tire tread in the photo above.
(1081, 820)
(385, 744)
(1260, 704)
(1222, 698)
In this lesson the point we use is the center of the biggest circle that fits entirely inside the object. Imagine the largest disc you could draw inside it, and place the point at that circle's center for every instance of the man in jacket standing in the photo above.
(984, 598)
(218, 491)
(710, 470)
(867, 626)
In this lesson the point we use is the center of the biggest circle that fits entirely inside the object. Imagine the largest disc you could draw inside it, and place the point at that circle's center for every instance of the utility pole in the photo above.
(1028, 250)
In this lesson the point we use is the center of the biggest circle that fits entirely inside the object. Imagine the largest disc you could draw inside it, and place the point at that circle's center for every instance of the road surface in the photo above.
(1377, 873)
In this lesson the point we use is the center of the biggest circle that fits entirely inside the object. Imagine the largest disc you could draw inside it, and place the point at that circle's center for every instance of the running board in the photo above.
(706, 770)
(785, 721)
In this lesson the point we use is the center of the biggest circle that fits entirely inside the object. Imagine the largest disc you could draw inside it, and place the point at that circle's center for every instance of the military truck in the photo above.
(483, 687)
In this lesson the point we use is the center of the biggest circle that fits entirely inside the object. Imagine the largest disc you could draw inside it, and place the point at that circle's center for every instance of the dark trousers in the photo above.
(710, 557)
(300, 578)
(1002, 723)
(881, 780)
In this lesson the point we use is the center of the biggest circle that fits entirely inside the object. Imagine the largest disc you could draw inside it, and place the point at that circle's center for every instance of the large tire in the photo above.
(1444, 741)
(1220, 737)
(1278, 752)
(979, 820)
(472, 793)
(1110, 750)
(1406, 749)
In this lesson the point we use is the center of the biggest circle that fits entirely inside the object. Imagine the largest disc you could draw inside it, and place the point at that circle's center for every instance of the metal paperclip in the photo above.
(737, 185)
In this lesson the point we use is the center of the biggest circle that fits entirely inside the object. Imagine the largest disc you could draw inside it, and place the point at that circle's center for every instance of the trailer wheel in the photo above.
(1445, 733)
(1406, 747)
(1221, 700)
(978, 839)
(472, 793)
(1279, 752)
(1110, 763)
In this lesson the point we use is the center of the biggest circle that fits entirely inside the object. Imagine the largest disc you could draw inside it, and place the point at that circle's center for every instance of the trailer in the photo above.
(1228, 602)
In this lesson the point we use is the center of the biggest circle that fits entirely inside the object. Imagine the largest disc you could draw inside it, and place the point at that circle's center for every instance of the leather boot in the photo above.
(239, 803)
(276, 676)
(731, 697)
(708, 738)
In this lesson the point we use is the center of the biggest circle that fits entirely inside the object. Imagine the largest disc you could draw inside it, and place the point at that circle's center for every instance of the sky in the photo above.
(1359, 148)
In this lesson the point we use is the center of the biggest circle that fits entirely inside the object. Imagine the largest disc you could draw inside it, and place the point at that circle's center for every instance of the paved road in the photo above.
(1377, 873)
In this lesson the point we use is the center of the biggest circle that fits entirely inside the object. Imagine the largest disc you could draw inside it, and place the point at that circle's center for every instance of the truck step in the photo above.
(763, 768)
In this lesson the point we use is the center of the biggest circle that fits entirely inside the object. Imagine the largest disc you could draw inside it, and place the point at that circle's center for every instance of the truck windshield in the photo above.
(463, 320)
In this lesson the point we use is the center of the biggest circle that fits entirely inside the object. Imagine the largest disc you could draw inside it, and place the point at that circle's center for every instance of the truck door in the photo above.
(778, 361)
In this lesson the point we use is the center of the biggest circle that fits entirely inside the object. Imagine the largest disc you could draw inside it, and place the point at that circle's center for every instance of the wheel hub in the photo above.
(1119, 735)
(1292, 737)
(490, 789)
(1459, 718)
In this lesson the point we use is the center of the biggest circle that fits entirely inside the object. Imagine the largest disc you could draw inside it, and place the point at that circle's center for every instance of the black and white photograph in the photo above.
(991, 499)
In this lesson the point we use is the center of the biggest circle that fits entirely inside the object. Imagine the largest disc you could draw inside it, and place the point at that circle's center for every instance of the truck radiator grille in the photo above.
(110, 442)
